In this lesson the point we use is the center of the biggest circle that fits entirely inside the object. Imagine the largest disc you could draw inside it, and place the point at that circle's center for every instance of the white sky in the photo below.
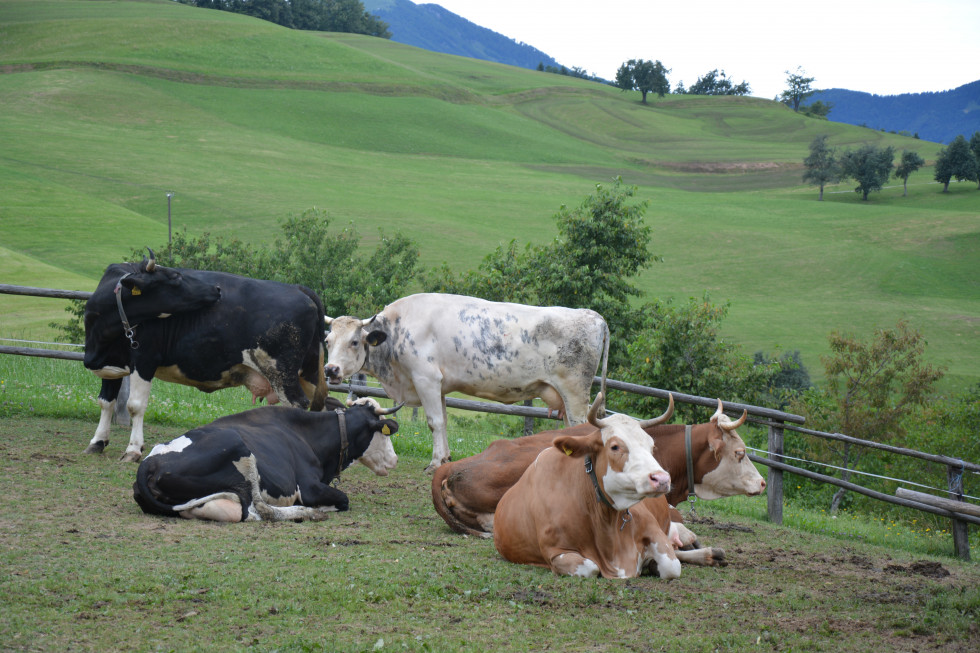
(885, 47)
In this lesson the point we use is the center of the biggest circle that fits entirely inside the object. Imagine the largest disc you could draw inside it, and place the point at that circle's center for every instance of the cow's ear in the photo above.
(388, 426)
(375, 338)
(575, 446)
(135, 284)
(716, 442)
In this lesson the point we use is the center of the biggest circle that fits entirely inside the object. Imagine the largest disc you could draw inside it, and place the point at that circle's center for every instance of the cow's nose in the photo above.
(660, 482)
(762, 484)
(333, 371)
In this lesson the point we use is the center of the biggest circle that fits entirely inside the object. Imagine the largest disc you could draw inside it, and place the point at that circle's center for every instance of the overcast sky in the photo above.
(885, 47)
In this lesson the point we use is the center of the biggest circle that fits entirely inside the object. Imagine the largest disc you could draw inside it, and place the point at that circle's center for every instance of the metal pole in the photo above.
(169, 230)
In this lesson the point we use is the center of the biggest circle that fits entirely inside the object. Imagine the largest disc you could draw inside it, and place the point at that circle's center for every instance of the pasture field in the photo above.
(82, 569)
(109, 105)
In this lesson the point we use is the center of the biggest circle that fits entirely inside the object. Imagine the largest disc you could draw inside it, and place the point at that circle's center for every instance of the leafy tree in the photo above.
(821, 166)
(817, 109)
(679, 348)
(332, 266)
(910, 162)
(717, 83)
(316, 15)
(975, 148)
(790, 379)
(956, 161)
(798, 88)
(643, 76)
(601, 245)
(307, 253)
(73, 330)
(869, 166)
(871, 387)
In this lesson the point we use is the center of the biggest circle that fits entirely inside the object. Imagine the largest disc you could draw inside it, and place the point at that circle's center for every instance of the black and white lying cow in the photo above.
(270, 463)
(210, 330)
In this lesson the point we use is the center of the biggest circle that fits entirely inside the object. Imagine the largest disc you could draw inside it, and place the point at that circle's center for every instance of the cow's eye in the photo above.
(739, 455)
(615, 447)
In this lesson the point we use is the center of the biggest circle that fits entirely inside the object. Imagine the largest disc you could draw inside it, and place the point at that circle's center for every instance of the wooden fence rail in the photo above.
(776, 421)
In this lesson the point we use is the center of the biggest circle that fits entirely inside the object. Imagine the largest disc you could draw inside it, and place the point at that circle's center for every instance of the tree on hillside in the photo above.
(798, 88)
(601, 245)
(871, 387)
(910, 162)
(869, 166)
(817, 109)
(791, 379)
(316, 15)
(717, 83)
(643, 76)
(975, 148)
(956, 161)
(821, 165)
(310, 253)
(680, 348)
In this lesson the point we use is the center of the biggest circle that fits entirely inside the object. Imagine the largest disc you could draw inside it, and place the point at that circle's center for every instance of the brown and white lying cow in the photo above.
(465, 493)
(573, 508)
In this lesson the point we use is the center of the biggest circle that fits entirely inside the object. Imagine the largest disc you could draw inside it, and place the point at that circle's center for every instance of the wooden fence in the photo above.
(956, 508)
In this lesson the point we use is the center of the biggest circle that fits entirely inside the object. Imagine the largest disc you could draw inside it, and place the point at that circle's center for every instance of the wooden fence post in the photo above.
(528, 421)
(774, 482)
(961, 533)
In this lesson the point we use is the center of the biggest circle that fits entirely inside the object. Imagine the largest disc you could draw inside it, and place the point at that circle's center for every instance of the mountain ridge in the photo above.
(933, 116)
(433, 27)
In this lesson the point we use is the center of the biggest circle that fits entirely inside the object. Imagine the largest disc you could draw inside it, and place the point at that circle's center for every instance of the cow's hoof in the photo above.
(320, 514)
(96, 447)
(131, 457)
(718, 557)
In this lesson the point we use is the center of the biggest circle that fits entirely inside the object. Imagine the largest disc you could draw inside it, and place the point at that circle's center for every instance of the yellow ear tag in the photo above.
(136, 291)
(568, 451)
(386, 430)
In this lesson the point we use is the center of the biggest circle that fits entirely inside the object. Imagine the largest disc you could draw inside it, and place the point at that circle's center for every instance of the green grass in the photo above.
(108, 105)
(82, 568)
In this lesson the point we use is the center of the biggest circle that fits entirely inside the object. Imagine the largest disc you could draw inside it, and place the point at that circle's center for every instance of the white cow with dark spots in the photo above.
(424, 346)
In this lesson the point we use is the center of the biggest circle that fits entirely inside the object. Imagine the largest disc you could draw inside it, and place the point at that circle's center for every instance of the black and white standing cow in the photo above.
(270, 463)
(209, 330)
(424, 346)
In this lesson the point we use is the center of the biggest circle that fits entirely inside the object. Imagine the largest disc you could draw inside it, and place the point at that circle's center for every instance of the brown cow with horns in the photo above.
(465, 493)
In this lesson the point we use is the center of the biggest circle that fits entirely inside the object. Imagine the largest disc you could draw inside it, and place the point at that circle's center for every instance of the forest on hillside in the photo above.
(936, 117)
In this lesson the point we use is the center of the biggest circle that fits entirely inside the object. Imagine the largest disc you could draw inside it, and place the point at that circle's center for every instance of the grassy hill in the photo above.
(107, 106)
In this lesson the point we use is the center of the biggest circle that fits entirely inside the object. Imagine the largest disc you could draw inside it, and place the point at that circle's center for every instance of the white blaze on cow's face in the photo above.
(735, 473)
(346, 348)
(380, 456)
(632, 473)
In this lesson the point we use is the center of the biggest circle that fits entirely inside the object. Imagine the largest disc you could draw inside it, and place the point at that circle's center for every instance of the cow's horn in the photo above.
(151, 265)
(327, 320)
(647, 423)
(731, 426)
(594, 409)
(389, 411)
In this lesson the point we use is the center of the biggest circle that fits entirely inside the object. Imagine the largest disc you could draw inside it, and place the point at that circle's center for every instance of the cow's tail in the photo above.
(441, 500)
(605, 360)
(145, 497)
(321, 390)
